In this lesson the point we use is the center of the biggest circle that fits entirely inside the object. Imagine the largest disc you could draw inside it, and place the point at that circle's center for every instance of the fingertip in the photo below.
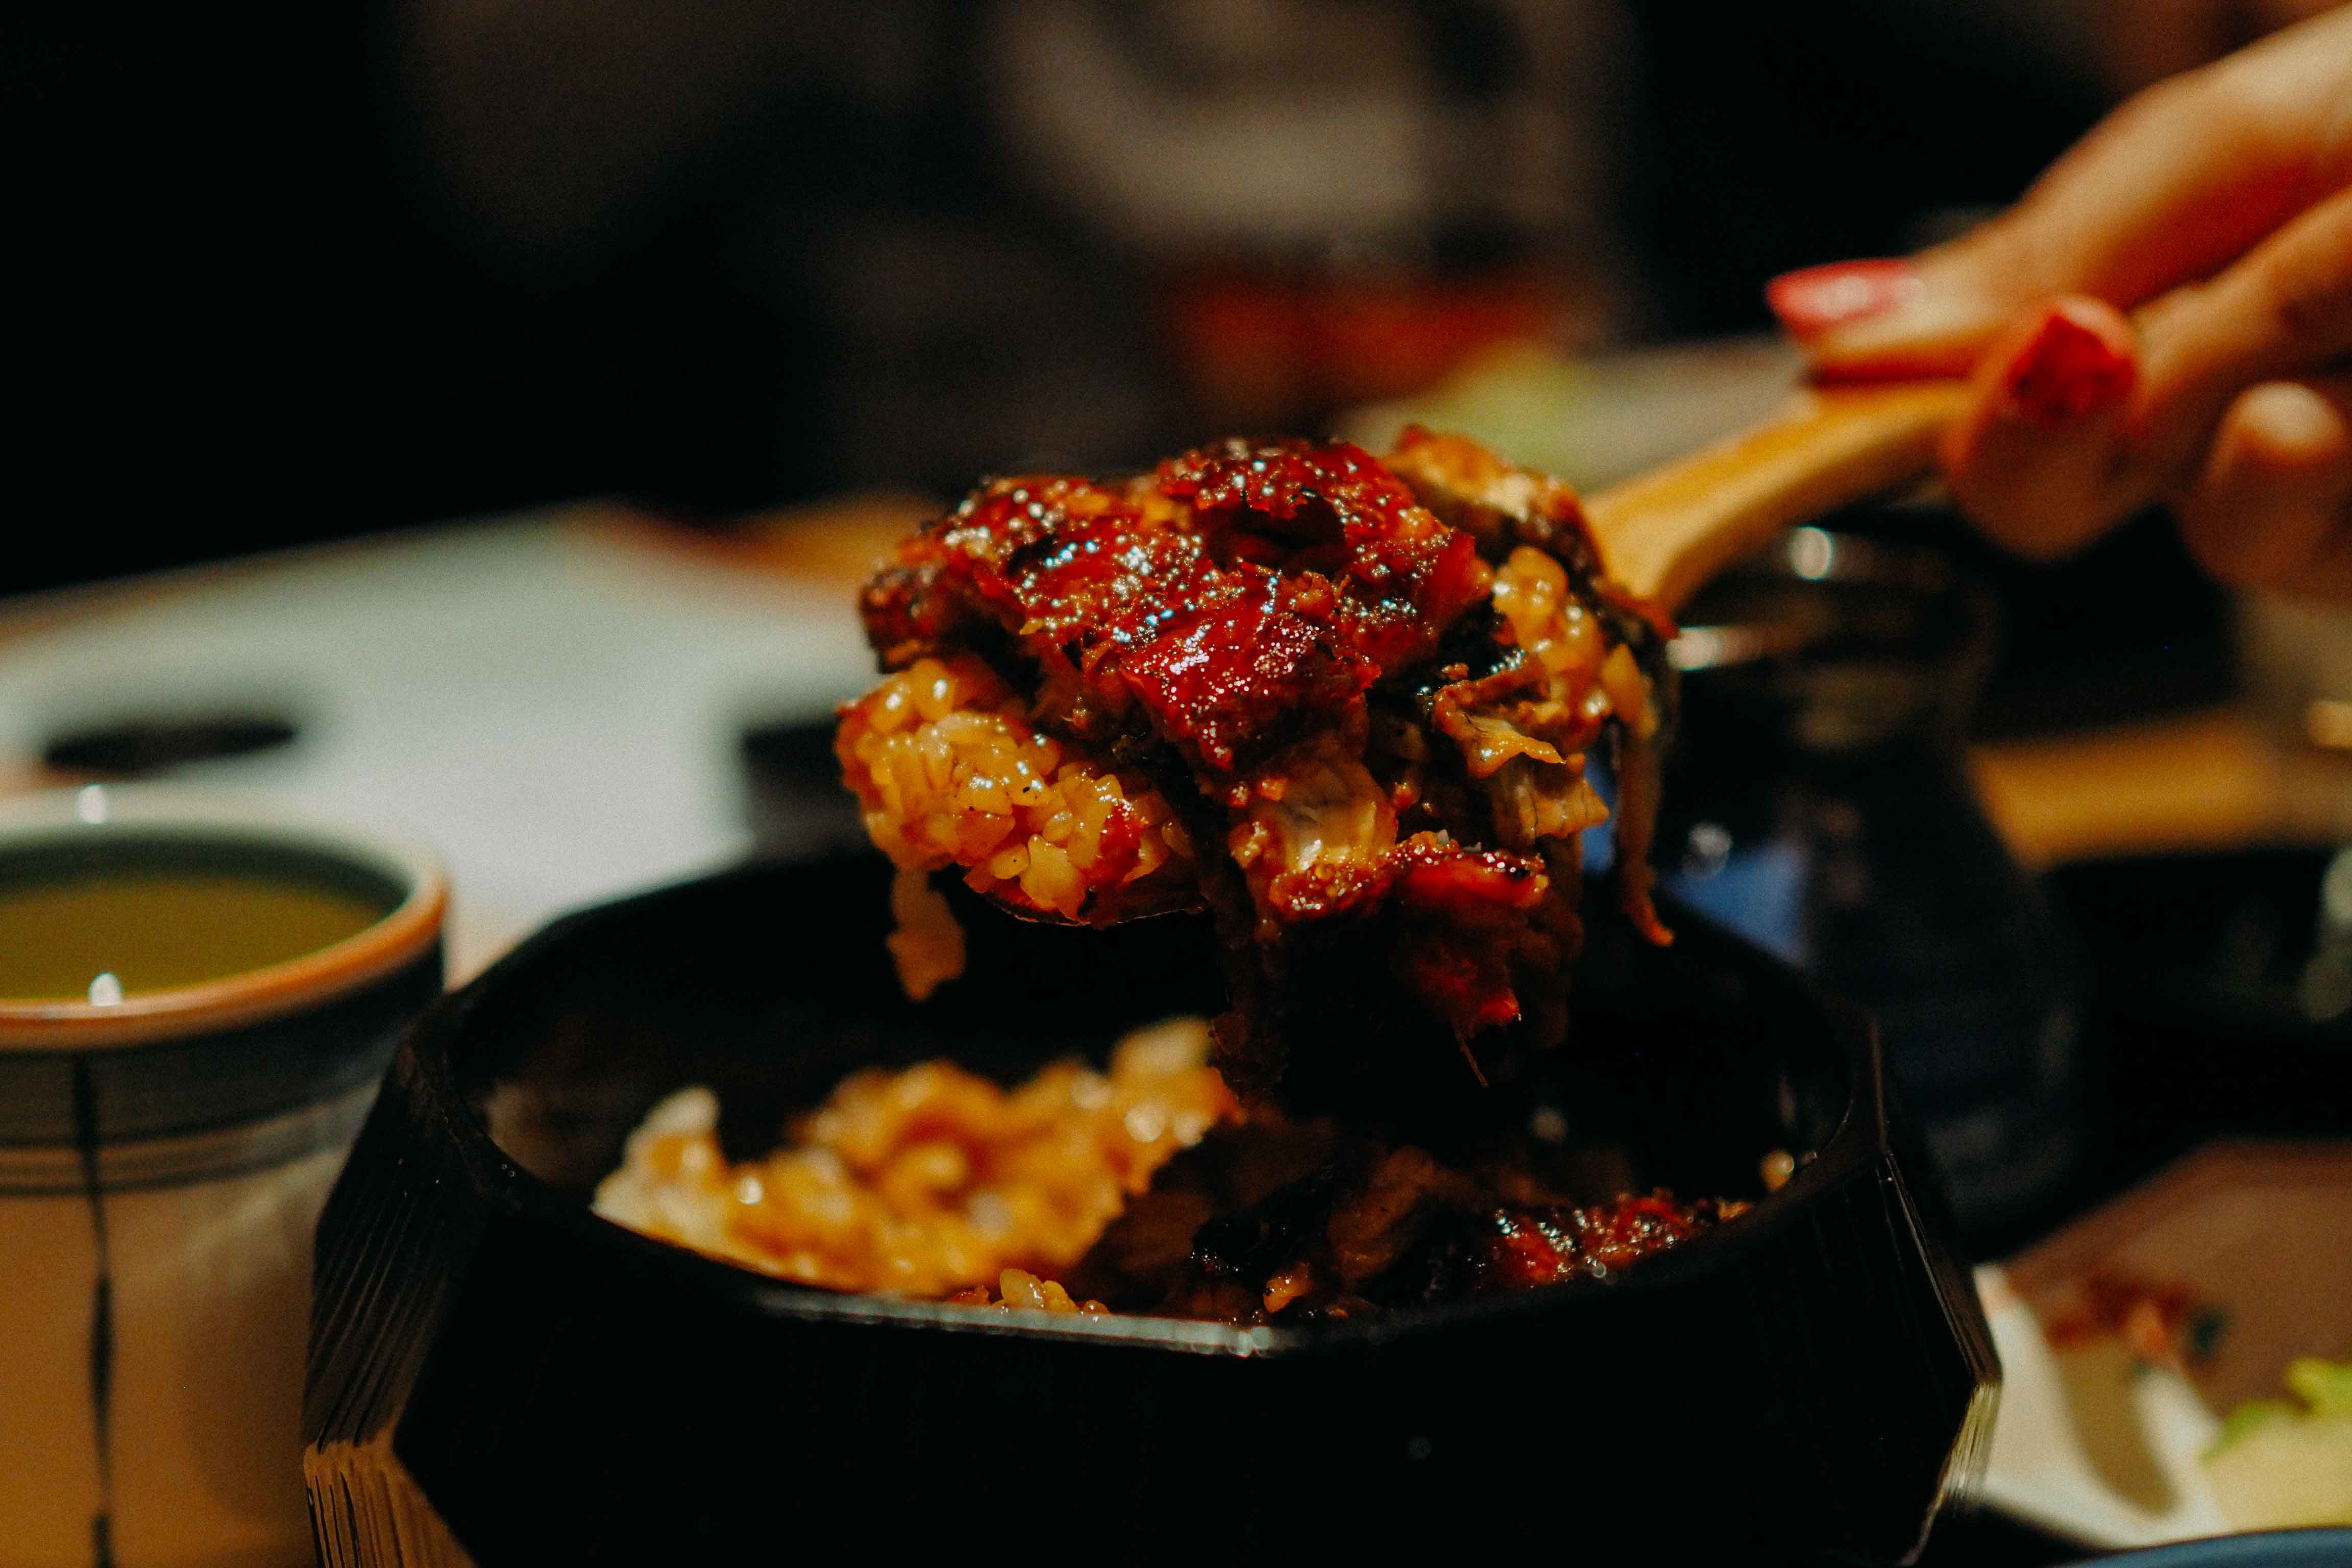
(2271, 498)
(2030, 461)
(1814, 300)
(2287, 428)
(1883, 319)
(2075, 357)
(2029, 504)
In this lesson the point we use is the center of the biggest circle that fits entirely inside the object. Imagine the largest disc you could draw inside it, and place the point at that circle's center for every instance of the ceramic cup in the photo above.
(163, 1156)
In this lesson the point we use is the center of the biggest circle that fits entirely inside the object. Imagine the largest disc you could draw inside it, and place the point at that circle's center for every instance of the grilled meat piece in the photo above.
(1341, 703)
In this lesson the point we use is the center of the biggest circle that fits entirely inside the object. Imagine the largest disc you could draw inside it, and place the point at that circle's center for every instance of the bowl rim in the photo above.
(519, 1195)
(401, 934)
(2304, 1546)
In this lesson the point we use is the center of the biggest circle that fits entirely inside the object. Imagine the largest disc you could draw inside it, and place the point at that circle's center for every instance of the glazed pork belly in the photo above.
(1341, 703)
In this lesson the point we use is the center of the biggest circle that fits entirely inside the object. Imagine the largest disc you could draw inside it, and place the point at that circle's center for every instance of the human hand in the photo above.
(2217, 208)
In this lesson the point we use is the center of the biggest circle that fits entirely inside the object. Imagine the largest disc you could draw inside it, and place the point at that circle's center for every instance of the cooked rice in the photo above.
(949, 772)
(1017, 1289)
(930, 1181)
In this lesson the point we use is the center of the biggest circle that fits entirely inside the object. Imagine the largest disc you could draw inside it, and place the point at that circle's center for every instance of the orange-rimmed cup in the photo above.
(164, 1155)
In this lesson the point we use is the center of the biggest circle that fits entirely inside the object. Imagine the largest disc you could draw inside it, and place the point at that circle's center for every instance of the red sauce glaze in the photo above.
(1438, 879)
(1459, 880)
(1244, 595)
(1403, 575)
(1228, 680)
(1532, 1247)
(1060, 558)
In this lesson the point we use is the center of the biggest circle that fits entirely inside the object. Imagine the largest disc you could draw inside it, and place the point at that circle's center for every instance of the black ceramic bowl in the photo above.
(494, 1368)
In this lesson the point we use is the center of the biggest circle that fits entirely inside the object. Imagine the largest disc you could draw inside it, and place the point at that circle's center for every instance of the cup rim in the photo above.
(404, 932)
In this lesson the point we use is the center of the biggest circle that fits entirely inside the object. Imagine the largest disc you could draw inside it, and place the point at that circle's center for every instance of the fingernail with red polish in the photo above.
(1819, 298)
(2078, 360)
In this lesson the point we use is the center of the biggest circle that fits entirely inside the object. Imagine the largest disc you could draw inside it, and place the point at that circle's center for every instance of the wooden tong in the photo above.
(1663, 533)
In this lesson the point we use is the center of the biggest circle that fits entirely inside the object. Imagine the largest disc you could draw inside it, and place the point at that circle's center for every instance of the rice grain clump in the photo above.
(930, 1181)
(949, 772)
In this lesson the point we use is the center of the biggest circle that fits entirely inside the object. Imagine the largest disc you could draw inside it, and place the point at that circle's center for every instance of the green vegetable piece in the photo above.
(2326, 1386)
(2248, 1417)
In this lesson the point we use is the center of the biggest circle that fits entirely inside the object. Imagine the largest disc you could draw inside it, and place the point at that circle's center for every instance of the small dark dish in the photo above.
(1817, 800)
(493, 1365)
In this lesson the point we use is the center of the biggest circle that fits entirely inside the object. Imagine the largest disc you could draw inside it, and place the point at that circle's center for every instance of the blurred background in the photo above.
(300, 272)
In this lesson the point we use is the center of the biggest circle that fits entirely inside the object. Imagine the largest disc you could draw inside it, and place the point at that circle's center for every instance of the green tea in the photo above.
(154, 931)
